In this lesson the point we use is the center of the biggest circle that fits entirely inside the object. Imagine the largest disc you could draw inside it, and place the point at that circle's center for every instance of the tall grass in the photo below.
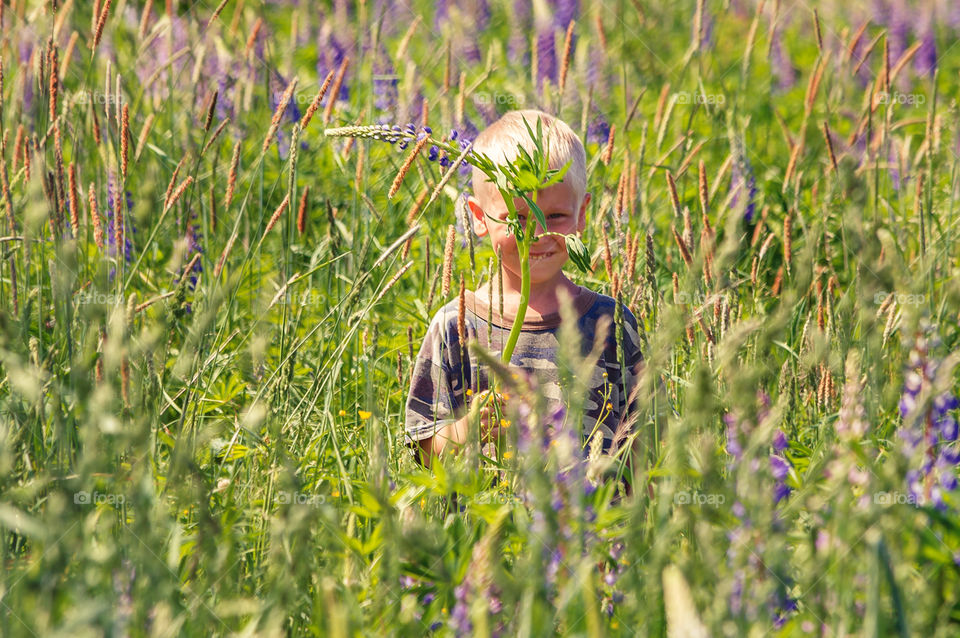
(202, 392)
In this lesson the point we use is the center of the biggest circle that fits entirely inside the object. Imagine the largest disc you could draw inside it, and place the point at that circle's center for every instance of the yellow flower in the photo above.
(504, 423)
(342, 413)
(609, 406)
(335, 494)
(506, 397)
(507, 455)
(364, 415)
(469, 392)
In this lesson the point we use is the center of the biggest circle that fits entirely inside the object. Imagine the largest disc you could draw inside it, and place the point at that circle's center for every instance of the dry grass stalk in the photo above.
(405, 168)
(124, 140)
(173, 180)
(211, 108)
(101, 21)
(177, 193)
(448, 260)
(74, 204)
(684, 252)
(95, 217)
(276, 215)
(54, 84)
(278, 114)
(216, 13)
(787, 241)
(674, 197)
(302, 211)
(142, 139)
(608, 149)
(335, 90)
(232, 177)
(315, 104)
(826, 136)
(565, 59)
(393, 281)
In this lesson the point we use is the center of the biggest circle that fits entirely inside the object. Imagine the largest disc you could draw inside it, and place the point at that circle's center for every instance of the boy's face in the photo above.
(548, 254)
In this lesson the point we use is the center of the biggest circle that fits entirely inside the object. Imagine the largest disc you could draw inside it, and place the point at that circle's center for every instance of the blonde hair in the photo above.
(499, 141)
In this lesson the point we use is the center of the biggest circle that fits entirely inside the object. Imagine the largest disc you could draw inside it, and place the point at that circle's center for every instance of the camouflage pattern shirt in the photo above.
(441, 373)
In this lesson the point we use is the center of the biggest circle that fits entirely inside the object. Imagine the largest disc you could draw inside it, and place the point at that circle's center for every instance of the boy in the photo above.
(436, 411)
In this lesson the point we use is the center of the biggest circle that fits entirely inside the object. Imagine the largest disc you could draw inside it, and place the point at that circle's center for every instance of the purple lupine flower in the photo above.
(278, 84)
(706, 30)
(546, 53)
(929, 425)
(781, 64)
(742, 179)
(598, 131)
(595, 76)
(894, 167)
(385, 82)
(460, 615)
(194, 246)
(925, 62)
(779, 441)
(734, 447)
(953, 16)
(564, 11)
(441, 14)
(112, 186)
(330, 54)
(518, 47)
(781, 469)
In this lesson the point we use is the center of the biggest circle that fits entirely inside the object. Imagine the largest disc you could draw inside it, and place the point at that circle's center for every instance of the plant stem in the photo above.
(524, 246)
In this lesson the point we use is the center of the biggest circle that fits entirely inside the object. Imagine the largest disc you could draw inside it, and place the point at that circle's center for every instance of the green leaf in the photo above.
(557, 175)
(537, 212)
(578, 253)
(526, 181)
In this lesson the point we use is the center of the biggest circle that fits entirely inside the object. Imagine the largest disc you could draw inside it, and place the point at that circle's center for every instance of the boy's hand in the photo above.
(485, 407)
(456, 433)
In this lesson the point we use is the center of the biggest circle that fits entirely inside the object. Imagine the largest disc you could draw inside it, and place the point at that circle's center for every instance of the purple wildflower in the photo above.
(929, 427)
(781, 64)
(546, 53)
(743, 179)
(925, 62)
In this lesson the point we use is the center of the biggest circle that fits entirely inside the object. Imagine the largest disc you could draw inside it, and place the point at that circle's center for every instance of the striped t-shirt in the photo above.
(441, 375)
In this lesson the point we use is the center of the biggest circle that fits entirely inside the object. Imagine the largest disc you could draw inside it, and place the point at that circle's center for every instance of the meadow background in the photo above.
(208, 326)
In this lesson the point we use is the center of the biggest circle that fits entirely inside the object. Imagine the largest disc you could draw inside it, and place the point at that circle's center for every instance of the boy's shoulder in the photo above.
(605, 305)
(597, 305)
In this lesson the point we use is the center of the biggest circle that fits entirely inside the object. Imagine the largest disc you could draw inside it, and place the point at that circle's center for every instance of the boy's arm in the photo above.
(633, 358)
(436, 418)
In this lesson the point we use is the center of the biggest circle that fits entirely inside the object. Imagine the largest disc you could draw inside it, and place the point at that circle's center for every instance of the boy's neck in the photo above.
(543, 296)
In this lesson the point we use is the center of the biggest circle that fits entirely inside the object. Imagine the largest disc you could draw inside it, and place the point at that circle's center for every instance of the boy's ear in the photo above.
(582, 223)
(477, 216)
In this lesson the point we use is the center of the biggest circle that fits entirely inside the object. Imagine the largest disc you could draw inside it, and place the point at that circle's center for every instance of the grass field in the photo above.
(208, 324)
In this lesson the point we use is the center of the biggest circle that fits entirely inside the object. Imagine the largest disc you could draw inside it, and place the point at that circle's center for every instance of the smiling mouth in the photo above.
(542, 256)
